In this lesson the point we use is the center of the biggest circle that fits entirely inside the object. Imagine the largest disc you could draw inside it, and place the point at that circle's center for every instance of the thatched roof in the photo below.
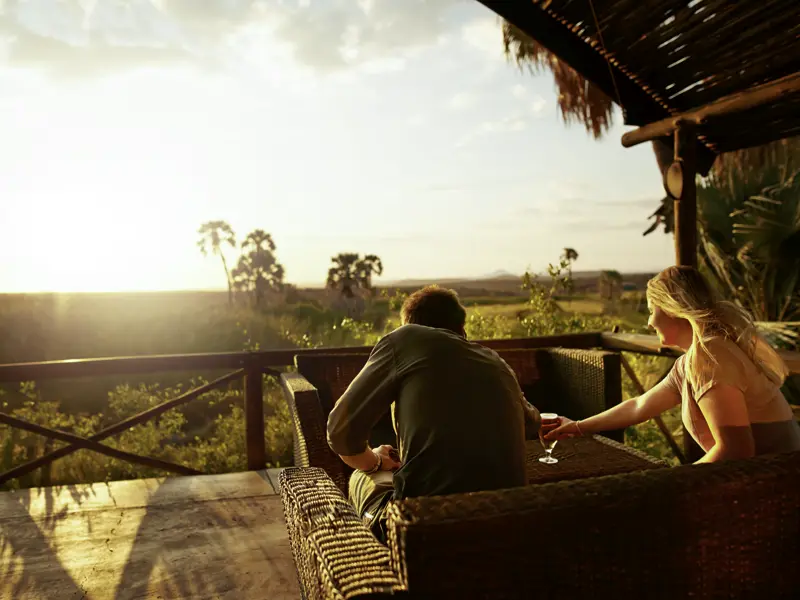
(659, 58)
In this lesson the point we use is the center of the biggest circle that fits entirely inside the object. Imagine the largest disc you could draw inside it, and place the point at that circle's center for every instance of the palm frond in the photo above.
(579, 101)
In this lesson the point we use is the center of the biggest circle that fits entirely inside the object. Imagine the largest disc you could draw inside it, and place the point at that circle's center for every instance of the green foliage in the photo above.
(395, 300)
(750, 242)
(546, 317)
(208, 433)
(173, 436)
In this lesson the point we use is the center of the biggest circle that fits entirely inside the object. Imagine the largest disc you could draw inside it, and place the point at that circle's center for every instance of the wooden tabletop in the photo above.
(590, 456)
(210, 536)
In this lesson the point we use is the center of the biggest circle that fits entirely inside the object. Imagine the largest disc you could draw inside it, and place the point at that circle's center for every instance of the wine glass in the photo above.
(548, 445)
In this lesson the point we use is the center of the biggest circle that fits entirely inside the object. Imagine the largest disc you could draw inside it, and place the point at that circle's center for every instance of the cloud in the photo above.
(514, 123)
(606, 224)
(642, 204)
(538, 105)
(485, 35)
(72, 38)
(510, 124)
(561, 204)
(79, 38)
(461, 100)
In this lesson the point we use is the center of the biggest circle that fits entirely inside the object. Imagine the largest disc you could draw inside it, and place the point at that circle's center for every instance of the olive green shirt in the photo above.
(459, 413)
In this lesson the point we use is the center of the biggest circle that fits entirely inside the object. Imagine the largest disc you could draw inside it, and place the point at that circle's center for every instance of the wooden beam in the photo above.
(129, 365)
(676, 450)
(254, 419)
(649, 344)
(773, 92)
(637, 343)
(83, 443)
(686, 204)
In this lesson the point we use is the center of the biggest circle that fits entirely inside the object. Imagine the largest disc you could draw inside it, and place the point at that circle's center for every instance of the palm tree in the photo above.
(258, 270)
(750, 242)
(350, 271)
(213, 235)
(258, 239)
(783, 154)
(570, 255)
(366, 267)
(345, 273)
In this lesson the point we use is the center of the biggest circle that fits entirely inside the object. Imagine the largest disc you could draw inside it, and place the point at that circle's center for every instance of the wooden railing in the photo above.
(252, 366)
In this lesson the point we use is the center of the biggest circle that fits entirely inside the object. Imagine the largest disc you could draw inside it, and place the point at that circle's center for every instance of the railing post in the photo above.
(254, 418)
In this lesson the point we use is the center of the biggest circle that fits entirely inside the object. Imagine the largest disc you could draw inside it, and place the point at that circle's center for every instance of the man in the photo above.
(459, 413)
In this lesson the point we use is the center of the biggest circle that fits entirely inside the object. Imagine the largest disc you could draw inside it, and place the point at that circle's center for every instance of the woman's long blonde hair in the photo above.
(682, 292)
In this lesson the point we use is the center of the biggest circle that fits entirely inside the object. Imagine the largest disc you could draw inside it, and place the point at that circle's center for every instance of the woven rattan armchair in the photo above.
(574, 383)
(724, 530)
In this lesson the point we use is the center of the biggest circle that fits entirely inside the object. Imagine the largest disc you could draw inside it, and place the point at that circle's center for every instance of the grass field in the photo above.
(209, 433)
(629, 313)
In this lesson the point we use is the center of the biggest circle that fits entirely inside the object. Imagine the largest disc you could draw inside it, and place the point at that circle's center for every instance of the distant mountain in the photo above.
(499, 280)
(501, 274)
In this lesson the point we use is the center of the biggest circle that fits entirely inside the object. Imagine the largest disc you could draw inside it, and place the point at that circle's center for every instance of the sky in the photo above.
(371, 126)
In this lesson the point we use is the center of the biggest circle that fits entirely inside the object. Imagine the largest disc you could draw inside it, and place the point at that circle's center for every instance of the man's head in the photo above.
(435, 307)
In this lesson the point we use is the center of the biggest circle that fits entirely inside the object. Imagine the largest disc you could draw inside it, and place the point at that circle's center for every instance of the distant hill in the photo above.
(505, 283)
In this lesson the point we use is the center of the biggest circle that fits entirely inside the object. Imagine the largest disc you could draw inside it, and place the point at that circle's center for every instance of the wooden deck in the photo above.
(209, 536)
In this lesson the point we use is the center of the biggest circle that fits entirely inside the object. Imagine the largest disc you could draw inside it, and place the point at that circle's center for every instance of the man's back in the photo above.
(458, 412)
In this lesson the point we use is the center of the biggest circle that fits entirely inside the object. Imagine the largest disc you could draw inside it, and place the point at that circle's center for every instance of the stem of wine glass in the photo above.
(549, 452)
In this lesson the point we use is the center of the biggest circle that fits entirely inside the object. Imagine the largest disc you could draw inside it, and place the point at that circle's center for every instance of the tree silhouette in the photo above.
(350, 271)
(610, 284)
(570, 255)
(258, 239)
(258, 270)
(213, 235)
(366, 267)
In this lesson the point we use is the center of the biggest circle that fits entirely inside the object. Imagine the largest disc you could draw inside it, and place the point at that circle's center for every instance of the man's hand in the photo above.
(389, 456)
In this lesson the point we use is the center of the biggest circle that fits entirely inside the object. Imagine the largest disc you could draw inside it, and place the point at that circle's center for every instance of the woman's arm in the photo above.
(631, 412)
(725, 411)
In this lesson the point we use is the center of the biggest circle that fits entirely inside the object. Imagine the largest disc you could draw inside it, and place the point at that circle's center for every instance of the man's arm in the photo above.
(368, 397)
(533, 420)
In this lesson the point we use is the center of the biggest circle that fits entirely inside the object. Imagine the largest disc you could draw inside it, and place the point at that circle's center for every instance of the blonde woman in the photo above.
(727, 381)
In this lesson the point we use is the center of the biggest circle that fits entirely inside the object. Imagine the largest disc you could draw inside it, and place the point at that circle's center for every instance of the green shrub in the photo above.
(208, 433)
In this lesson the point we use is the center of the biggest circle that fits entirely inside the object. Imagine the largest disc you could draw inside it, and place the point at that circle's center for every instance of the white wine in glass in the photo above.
(548, 445)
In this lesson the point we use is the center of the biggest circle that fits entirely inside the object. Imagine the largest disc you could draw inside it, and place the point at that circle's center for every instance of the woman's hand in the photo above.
(561, 429)
(390, 458)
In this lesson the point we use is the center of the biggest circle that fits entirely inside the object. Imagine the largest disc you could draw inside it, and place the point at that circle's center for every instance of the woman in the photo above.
(727, 381)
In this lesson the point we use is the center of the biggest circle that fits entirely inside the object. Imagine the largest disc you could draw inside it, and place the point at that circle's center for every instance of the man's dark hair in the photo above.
(435, 307)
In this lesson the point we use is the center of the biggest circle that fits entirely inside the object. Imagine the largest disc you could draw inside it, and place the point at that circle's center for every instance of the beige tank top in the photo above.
(771, 418)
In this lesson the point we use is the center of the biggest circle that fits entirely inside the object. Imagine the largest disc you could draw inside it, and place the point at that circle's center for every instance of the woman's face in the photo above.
(671, 331)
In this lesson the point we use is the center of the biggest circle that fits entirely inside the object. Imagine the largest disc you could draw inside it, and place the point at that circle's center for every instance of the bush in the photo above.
(208, 433)
(170, 437)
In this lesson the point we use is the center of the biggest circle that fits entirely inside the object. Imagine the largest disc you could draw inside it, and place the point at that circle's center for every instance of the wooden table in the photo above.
(590, 456)
(210, 536)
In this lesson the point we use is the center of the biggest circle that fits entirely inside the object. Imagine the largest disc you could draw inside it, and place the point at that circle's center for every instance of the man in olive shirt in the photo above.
(459, 413)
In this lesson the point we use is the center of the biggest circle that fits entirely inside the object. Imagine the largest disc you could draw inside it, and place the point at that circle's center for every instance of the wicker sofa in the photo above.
(725, 530)
(708, 531)
(577, 383)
